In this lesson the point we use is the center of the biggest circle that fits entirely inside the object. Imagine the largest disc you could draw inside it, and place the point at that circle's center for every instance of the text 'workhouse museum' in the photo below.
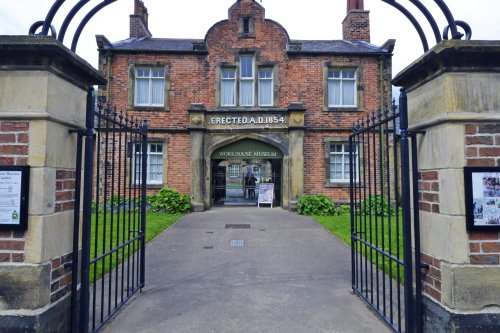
(247, 105)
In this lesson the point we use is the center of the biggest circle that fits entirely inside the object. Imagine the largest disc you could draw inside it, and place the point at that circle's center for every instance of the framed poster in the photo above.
(14, 189)
(482, 198)
(266, 194)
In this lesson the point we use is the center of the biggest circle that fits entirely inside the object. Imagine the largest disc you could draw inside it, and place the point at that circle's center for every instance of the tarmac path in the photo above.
(284, 274)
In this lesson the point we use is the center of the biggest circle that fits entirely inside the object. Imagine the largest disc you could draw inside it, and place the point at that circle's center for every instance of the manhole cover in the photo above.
(237, 226)
(237, 242)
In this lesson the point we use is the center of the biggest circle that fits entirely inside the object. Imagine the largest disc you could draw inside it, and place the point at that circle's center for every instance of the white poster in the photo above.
(10, 197)
(266, 193)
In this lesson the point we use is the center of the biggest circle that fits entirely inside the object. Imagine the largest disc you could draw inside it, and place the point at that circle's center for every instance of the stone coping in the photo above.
(46, 53)
(451, 56)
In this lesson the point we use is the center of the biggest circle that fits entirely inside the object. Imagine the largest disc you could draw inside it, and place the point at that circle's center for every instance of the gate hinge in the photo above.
(424, 266)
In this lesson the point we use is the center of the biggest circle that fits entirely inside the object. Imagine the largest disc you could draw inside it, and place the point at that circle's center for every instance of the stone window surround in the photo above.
(131, 85)
(327, 142)
(257, 65)
(358, 67)
(251, 26)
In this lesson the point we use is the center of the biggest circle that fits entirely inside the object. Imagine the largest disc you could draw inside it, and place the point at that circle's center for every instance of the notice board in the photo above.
(14, 187)
(266, 194)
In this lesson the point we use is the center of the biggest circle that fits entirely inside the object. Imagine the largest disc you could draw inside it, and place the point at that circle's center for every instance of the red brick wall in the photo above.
(431, 278)
(482, 148)
(428, 185)
(65, 190)
(300, 78)
(11, 246)
(60, 284)
(484, 248)
(14, 143)
(482, 144)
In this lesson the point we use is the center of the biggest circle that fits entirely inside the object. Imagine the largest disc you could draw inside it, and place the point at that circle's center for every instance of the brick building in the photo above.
(248, 99)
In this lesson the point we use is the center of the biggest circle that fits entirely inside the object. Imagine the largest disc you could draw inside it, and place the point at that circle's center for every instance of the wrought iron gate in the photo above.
(109, 257)
(382, 184)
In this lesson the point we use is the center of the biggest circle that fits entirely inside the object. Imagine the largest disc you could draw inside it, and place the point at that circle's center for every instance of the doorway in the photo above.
(237, 182)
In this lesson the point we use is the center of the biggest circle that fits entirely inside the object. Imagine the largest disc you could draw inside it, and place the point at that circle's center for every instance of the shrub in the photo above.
(344, 210)
(376, 205)
(115, 202)
(318, 204)
(170, 201)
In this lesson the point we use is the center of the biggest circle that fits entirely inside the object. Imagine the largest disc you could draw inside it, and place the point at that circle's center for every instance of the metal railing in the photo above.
(112, 244)
(381, 226)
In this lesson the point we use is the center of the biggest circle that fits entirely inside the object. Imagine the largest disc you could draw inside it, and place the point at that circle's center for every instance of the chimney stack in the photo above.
(356, 25)
(139, 21)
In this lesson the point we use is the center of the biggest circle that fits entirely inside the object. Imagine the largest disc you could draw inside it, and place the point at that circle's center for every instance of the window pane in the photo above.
(334, 93)
(348, 74)
(157, 93)
(334, 74)
(266, 73)
(265, 92)
(142, 72)
(246, 92)
(228, 74)
(158, 73)
(246, 67)
(348, 93)
(155, 168)
(142, 91)
(339, 162)
(227, 92)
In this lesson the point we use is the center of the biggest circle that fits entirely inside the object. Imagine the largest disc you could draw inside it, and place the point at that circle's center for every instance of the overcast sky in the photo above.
(311, 19)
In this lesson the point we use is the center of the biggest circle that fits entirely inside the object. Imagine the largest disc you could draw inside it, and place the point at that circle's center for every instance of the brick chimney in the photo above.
(139, 21)
(356, 25)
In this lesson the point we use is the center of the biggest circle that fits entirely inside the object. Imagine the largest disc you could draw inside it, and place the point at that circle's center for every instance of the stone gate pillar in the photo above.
(453, 97)
(43, 89)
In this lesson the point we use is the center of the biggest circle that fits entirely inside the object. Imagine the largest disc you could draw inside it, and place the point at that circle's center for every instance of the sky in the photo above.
(311, 19)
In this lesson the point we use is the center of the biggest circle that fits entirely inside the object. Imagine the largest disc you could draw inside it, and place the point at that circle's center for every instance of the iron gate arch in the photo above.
(383, 188)
(110, 268)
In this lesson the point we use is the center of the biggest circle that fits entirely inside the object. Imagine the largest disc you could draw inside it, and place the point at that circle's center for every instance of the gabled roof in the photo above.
(158, 45)
(199, 46)
(334, 46)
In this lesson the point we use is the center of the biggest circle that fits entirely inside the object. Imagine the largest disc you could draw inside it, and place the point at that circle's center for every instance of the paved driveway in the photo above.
(284, 274)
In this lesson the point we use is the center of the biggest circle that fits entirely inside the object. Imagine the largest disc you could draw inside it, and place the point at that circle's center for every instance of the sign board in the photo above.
(266, 194)
(14, 189)
(482, 198)
(247, 149)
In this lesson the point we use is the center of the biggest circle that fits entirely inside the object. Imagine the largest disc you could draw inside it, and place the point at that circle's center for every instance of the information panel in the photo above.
(266, 194)
(482, 198)
(14, 185)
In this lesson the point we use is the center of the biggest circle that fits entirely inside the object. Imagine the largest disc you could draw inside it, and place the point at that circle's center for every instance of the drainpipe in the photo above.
(108, 86)
(381, 80)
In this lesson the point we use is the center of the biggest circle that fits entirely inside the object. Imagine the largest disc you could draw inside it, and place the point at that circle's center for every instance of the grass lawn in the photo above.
(340, 226)
(114, 230)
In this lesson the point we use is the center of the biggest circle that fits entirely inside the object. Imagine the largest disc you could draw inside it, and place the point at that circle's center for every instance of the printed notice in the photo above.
(10, 197)
(266, 194)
